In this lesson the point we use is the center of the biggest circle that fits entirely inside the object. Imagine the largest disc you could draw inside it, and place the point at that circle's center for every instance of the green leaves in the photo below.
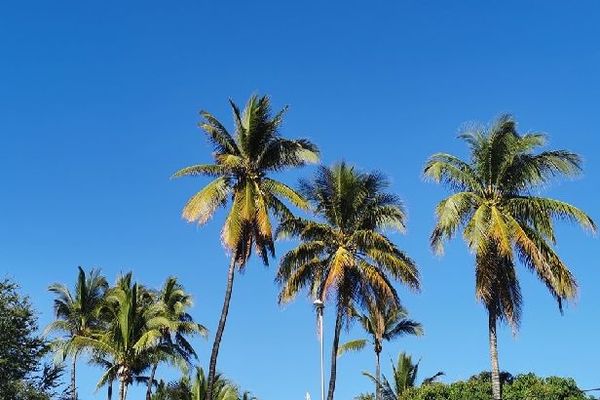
(242, 162)
(352, 345)
(452, 171)
(344, 254)
(499, 216)
(129, 327)
(202, 206)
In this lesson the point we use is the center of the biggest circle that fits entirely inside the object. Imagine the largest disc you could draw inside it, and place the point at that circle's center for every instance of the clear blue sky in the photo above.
(98, 106)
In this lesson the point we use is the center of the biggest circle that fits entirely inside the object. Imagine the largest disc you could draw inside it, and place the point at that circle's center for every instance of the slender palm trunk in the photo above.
(212, 370)
(109, 391)
(334, 353)
(122, 391)
(377, 375)
(150, 382)
(73, 378)
(496, 386)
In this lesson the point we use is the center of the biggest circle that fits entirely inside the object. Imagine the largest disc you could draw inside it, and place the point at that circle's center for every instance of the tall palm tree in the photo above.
(404, 374)
(345, 254)
(131, 338)
(176, 302)
(76, 314)
(243, 162)
(503, 221)
(382, 323)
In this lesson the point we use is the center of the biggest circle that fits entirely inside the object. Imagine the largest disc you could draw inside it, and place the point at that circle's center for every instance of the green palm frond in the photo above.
(352, 345)
(202, 170)
(203, 204)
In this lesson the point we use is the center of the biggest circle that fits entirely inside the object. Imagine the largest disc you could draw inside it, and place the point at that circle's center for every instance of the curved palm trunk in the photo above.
(150, 382)
(212, 370)
(73, 378)
(377, 375)
(496, 386)
(334, 351)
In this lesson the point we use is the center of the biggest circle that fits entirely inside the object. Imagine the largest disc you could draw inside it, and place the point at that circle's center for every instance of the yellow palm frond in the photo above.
(203, 204)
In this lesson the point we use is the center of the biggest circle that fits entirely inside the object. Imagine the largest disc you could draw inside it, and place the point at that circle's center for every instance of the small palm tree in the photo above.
(503, 221)
(195, 387)
(176, 302)
(243, 163)
(345, 253)
(381, 323)
(76, 315)
(404, 373)
(131, 338)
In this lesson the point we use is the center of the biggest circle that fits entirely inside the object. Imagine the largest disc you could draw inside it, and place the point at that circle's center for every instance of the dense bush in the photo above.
(521, 387)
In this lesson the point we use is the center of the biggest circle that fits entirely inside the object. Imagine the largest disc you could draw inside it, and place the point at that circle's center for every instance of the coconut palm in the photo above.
(345, 254)
(404, 373)
(195, 387)
(76, 314)
(176, 302)
(243, 163)
(382, 323)
(132, 336)
(503, 221)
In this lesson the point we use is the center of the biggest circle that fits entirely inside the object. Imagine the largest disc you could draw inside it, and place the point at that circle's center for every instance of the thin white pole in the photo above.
(320, 307)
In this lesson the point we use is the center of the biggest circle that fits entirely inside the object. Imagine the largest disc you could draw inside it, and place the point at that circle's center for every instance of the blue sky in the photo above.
(99, 105)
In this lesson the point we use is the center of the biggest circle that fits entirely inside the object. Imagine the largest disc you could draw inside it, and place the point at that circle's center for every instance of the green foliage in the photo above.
(24, 374)
(242, 165)
(365, 396)
(382, 323)
(346, 252)
(195, 387)
(345, 255)
(502, 221)
(522, 387)
(404, 377)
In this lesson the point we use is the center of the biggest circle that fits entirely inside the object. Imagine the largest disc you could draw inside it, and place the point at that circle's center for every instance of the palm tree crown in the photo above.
(175, 302)
(242, 165)
(345, 253)
(404, 374)
(382, 323)
(503, 221)
(76, 311)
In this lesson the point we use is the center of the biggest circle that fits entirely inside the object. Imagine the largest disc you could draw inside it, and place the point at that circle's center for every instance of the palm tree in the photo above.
(242, 165)
(195, 387)
(131, 338)
(345, 253)
(503, 220)
(175, 302)
(381, 322)
(76, 314)
(405, 374)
